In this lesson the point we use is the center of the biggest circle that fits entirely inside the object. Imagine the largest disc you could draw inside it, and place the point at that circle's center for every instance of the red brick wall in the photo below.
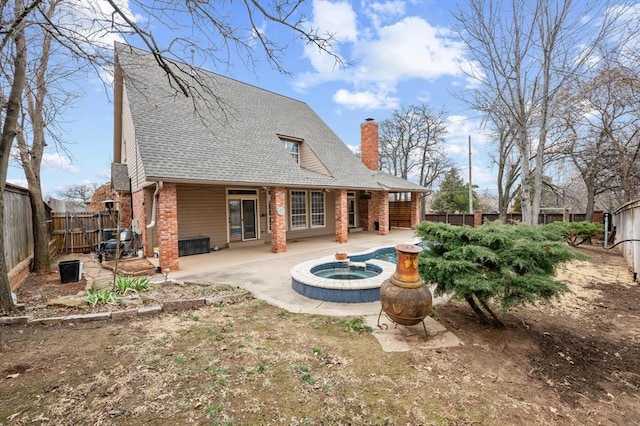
(168, 227)
(368, 213)
(139, 213)
(382, 204)
(124, 204)
(369, 144)
(342, 219)
(415, 208)
(477, 218)
(278, 222)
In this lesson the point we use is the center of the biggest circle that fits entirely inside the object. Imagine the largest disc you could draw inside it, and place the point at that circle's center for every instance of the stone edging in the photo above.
(143, 311)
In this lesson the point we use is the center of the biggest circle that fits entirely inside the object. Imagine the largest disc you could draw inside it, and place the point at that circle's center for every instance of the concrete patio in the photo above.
(267, 275)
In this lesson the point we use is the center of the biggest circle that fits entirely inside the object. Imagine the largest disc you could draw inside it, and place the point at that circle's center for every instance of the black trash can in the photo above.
(69, 271)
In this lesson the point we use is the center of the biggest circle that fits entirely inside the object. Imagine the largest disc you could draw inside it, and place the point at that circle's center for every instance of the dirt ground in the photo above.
(576, 361)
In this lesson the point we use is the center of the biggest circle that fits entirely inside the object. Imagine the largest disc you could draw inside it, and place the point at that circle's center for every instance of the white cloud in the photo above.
(383, 56)
(57, 161)
(336, 18)
(366, 100)
(94, 21)
(380, 12)
(410, 48)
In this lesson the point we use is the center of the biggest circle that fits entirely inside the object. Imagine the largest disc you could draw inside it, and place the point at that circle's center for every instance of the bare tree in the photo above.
(585, 144)
(39, 110)
(412, 144)
(10, 128)
(80, 192)
(523, 53)
(86, 32)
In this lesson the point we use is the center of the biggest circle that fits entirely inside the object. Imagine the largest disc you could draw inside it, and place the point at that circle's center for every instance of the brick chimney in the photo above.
(369, 143)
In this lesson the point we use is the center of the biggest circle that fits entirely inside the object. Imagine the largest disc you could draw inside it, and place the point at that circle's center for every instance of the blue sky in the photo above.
(401, 53)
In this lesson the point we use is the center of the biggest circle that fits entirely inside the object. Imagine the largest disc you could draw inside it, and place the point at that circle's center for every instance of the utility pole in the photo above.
(470, 185)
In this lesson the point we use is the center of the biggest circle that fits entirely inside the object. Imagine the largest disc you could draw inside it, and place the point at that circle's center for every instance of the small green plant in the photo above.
(284, 314)
(212, 410)
(193, 316)
(214, 334)
(126, 284)
(317, 351)
(305, 376)
(216, 370)
(307, 379)
(356, 325)
(101, 297)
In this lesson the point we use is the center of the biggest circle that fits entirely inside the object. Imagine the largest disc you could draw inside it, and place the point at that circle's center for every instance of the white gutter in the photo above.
(153, 210)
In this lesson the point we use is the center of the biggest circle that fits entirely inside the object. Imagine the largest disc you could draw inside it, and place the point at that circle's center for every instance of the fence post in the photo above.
(477, 218)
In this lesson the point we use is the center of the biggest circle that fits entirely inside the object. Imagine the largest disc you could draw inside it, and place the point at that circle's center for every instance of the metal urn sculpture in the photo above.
(404, 297)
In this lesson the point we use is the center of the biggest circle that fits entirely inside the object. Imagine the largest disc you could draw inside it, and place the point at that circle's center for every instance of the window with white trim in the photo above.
(293, 148)
(298, 209)
(317, 209)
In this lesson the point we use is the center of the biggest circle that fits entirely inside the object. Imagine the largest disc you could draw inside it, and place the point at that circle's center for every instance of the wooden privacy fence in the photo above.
(18, 226)
(467, 219)
(80, 232)
(400, 214)
(627, 222)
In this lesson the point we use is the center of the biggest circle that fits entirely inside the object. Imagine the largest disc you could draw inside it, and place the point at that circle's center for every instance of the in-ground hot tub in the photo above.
(346, 271)
(343, 281)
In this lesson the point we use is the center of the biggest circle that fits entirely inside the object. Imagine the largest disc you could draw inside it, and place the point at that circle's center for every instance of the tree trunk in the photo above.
(9, 131)
(41, 261)
(31, 156)
(591, 198)
(476, 308)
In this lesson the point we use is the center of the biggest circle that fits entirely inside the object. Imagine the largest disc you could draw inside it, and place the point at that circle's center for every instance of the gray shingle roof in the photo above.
(231, 137)
(119, 177)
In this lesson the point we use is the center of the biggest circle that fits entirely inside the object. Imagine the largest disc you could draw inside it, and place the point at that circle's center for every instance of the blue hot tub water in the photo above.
(344, 271)
(356, 272)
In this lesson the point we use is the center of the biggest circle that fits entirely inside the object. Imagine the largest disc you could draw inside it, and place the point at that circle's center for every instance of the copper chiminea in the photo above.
(404, 297)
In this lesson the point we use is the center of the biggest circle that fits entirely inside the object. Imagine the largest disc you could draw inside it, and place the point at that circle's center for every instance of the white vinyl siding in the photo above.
(129, 148)
(202, 212)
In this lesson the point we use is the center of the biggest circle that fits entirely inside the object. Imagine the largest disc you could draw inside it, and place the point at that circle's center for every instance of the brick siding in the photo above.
(369, 144)
(382, 204)
(168, 227)
(278, 222)
(342, 217)
(140, 214)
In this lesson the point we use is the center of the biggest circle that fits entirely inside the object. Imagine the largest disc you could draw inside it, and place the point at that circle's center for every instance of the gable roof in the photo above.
(231, 133)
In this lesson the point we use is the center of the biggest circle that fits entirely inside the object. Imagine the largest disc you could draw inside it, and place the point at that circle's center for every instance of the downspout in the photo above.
(131, 199)
(155, 200)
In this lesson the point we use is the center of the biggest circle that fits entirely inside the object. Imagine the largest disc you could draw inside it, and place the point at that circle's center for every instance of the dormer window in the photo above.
(294, 150)
(292, 145)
